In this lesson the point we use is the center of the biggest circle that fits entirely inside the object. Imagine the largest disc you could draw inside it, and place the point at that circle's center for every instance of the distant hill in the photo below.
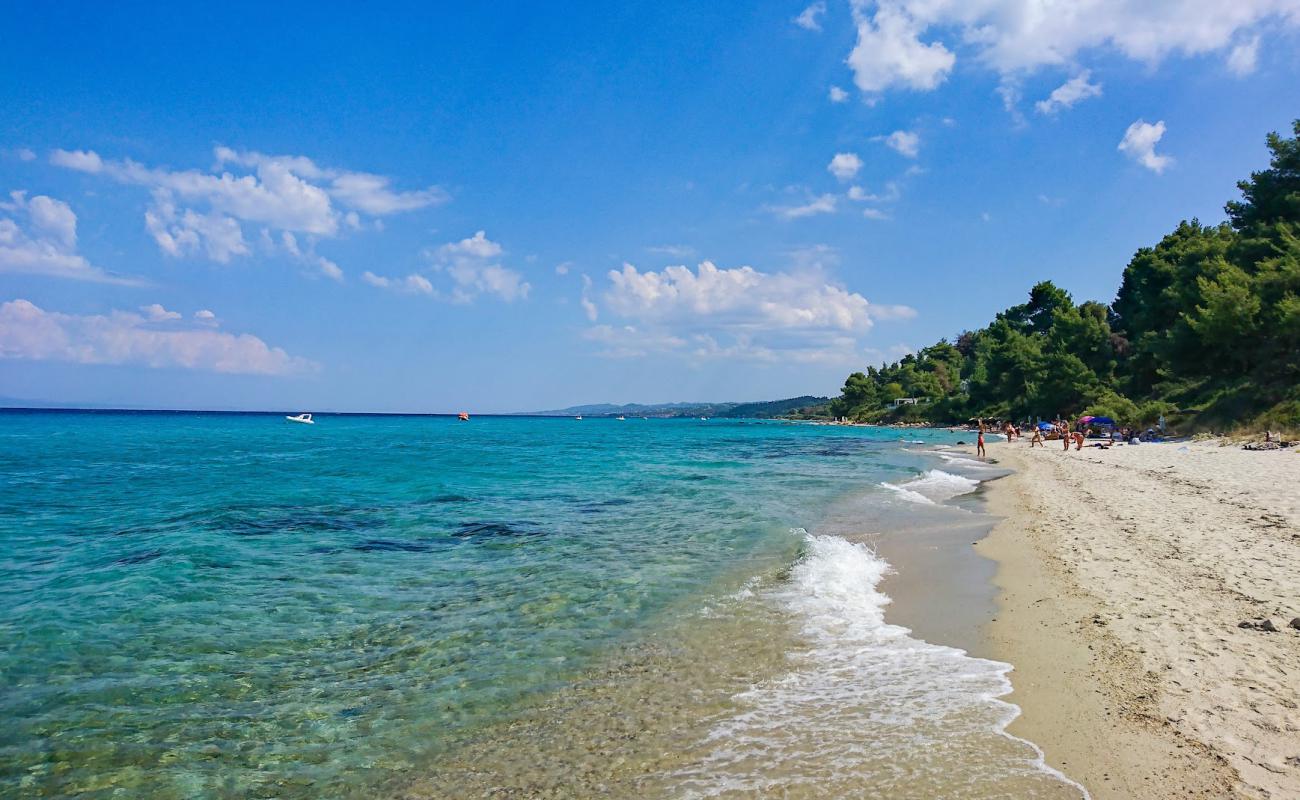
(775, 408)
(771, 408)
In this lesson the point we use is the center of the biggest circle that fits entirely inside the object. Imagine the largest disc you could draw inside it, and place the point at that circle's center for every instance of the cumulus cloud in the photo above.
(844, 166)
(155, 312)
(184, 232)
(31, 333)
(905, 143)
(824, 204)
(838, 95)
(205, 317)
(203, 211)
(740, 312)
(38, 236)
(912, 44)
(470, 266)
(1067, 94)
(1139, 143)
(810, 18)
(889, 53)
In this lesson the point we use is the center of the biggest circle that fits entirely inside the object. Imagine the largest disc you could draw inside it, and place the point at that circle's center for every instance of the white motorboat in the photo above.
(305, 419)
(621, 419)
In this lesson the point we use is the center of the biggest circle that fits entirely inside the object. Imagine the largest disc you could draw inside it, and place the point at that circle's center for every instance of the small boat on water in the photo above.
(621, 419)
(305, 419)
(463, 416)
(578, 418)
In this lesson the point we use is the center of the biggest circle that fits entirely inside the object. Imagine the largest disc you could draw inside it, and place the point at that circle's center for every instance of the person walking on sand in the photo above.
(1037, 440)
(979, 441)
(1078, 441)
(1065, 435)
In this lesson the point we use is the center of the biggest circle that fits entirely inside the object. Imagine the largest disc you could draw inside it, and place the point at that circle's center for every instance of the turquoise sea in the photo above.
(228, 605)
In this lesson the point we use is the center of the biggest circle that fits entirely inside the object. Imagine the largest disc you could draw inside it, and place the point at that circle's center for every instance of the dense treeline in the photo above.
(1205, 328)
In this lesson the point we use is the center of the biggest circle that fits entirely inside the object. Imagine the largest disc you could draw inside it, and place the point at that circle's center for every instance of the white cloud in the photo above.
(320, 265)
(205, 317)
(155, 312)
(47, 244)
(588, 307)
(1140, 142)
(53, 218)
(195, 211)
(875, 213)
(1067, 94)
(411, 284)
(467, 262)
(31, 333)
(563, 268)
(889, 53)
(910, 44)
(80, 160)
(477, 246)
(825, 204)
(475, 279)
(469, 265)
(810, 18)
(710, 312)
(905, 143)
(838, 95)
(1009, 91)
(891, 194)
(25, 154)
(180, 233)
(1243, 58)
(844, 166)
(327, 268)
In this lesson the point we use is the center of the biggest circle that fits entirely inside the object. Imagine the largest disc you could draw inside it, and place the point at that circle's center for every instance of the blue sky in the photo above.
(505, 207)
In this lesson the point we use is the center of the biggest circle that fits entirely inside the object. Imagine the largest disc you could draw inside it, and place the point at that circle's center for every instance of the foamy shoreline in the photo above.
(1123, 576)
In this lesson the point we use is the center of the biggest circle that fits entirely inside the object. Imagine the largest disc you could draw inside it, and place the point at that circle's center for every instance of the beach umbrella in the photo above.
(1101, 420)
(1086, 420)
(1045, 426)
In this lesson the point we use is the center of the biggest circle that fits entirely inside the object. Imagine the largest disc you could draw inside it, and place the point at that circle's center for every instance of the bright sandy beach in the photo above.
(1124, 575)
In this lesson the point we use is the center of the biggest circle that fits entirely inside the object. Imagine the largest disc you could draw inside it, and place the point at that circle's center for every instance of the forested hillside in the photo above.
(1205, 328)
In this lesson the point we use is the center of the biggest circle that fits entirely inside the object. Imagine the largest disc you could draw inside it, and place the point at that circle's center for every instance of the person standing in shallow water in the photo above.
(979, 442)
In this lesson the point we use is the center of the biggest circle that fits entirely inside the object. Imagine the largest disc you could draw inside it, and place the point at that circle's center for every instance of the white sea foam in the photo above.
(962, 461)
(934, 486)
(867, 705)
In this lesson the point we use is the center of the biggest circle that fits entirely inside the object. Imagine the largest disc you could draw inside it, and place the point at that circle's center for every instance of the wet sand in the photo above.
(1123, 575)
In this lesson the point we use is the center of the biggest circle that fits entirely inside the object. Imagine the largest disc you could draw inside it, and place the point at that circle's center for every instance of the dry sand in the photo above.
(1124, 574)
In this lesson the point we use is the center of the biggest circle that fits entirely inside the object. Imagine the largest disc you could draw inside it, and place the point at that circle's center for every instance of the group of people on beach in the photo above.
(1061, 428)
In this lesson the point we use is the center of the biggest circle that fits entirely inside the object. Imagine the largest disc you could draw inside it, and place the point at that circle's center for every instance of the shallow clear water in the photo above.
(229, 605)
